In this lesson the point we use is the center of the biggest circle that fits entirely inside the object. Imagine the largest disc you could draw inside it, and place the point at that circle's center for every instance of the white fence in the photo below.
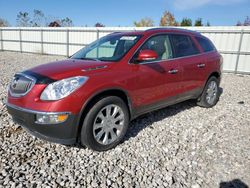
(232, 42)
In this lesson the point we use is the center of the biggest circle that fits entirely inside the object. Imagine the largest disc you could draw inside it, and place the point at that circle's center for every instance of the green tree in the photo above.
(186, 22)
(239, 23)
(4, 23)
(54, 24)
(245, 23)
(208, 24)
(168, 19)
(23, 19)
(98, 24)
(38, 19)
(198, 22)
(144, 22)
(66, 22)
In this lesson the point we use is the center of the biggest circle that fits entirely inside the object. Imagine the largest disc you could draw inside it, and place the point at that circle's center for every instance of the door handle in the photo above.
(173, 71)
(201, 65)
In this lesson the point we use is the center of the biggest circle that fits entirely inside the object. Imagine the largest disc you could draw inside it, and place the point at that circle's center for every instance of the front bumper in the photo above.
(63, 133)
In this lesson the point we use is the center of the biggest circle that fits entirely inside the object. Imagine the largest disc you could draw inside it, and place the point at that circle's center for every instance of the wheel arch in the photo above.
(201, 103)
(215, 74)
(101, 94)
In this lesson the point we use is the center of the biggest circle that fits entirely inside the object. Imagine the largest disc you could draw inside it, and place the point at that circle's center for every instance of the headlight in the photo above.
(62, 88)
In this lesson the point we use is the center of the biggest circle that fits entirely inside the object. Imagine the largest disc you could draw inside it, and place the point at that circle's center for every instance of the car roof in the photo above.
(160, 30)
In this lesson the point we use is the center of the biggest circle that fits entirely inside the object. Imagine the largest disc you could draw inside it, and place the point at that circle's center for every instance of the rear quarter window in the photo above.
(183, 45)
(206, 45)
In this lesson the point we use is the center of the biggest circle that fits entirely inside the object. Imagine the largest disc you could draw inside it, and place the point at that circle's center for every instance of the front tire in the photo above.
(106, 124)
(210, 94)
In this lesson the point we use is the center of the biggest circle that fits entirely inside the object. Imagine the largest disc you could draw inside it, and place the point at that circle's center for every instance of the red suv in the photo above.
(92, 96)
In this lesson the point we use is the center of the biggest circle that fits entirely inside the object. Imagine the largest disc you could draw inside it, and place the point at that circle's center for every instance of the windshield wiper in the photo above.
(93, 59)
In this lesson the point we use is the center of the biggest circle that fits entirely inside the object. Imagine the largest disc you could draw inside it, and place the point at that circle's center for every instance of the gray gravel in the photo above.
(179, 146)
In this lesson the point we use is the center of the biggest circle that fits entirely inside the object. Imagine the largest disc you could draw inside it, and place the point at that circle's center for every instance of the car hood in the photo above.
(67, 68)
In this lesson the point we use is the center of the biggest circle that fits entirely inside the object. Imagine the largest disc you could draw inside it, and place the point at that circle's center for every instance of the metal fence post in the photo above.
(67, 39)
(20, 40)
(97, 37)
(42, 50)
(1, 35)
(238, 52)
(97, 34)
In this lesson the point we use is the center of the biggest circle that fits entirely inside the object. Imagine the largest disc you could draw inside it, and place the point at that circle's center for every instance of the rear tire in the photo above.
(106, 124)
(210, 94)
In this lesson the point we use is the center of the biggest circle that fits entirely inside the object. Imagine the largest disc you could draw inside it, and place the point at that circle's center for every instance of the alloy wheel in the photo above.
(108, 124)
(211, 93)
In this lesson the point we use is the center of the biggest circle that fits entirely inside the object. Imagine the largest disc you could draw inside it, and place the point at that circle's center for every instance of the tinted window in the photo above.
(205, 44)
(160, 44)
(183, 46)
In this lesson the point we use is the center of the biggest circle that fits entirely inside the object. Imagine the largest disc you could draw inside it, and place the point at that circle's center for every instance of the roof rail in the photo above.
(159, 28)
(115, 32)
(171, 28)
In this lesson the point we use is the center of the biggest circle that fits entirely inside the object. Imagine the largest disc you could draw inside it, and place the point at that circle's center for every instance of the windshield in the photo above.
(108, 48)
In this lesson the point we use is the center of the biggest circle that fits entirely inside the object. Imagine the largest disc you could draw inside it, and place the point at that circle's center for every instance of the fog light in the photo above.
(51, 118)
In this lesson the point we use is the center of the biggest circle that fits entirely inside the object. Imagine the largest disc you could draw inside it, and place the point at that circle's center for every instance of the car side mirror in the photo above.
(147, 55)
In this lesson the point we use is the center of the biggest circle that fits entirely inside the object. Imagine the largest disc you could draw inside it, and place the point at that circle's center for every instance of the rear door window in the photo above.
(183, 45)
(206, 45)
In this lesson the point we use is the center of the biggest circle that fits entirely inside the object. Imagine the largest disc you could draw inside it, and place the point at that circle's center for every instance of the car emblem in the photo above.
(14, 83)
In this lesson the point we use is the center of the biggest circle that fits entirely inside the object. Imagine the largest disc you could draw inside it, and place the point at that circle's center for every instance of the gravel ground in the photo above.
(179, 146)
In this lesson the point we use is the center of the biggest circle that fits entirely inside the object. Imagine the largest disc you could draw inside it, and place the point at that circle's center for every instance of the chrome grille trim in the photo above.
(28, 87)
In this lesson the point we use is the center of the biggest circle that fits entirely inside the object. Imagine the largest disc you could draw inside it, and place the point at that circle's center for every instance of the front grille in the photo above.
(21, 84)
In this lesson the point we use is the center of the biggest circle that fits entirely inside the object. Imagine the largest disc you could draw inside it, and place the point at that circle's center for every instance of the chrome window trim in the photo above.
(35, 111)
(23, 94)
(170, 59)
(203, 53)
